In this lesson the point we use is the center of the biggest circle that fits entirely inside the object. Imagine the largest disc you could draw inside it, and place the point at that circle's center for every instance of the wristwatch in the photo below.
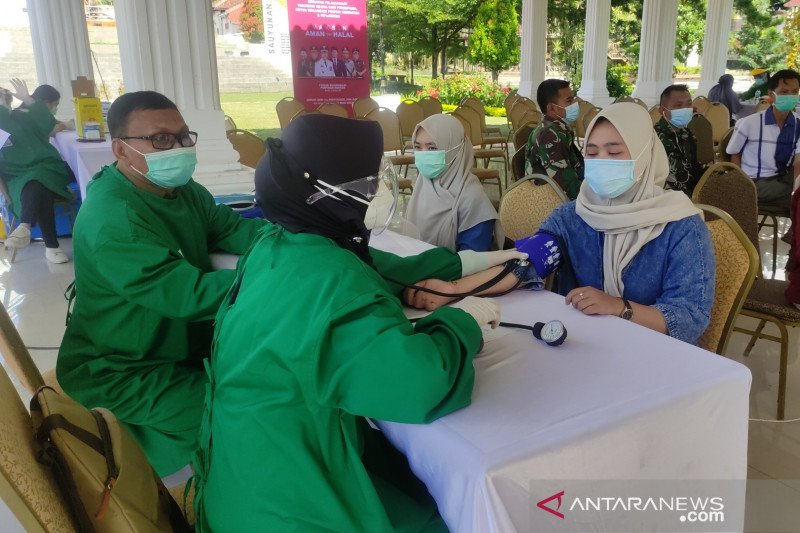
(627, 313)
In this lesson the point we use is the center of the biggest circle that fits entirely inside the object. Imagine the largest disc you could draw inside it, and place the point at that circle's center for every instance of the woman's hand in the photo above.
(591, 301)
(425, 300)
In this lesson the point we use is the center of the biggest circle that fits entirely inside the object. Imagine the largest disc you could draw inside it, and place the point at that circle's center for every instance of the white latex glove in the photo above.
(20, 91)
(472, 262)
(483, 310)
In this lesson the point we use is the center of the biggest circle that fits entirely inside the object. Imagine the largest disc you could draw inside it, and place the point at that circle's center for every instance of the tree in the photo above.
(791, 33)
(566, 25)
(253, 21)
(494, 42)
(421, 27)
(759, 44)
(691, 29)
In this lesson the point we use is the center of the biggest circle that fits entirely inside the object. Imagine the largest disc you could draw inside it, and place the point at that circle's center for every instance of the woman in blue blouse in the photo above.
(635, 250)
(449, 206)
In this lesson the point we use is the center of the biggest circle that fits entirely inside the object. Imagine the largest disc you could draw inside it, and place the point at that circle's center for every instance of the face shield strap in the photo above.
(329, 190)
(378, 192)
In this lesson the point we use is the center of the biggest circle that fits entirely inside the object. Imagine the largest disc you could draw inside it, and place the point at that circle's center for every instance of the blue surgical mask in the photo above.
(430, 163)
(786, 102)
(572, 112)
(681, 117)
(169, 168)
(609, 178)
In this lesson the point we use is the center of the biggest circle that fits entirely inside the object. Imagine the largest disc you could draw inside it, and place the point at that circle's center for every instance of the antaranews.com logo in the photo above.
(663, 505)
(689, 509)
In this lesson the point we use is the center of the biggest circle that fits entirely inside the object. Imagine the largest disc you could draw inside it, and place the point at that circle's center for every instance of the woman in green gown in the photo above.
(311, 341)
(32, 170)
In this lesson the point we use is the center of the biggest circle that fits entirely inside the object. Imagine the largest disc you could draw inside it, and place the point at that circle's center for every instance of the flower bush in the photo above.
(452, 89)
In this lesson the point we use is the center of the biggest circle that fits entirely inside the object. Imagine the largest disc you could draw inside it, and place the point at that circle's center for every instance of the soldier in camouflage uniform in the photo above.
(551, 146)
(679, 142)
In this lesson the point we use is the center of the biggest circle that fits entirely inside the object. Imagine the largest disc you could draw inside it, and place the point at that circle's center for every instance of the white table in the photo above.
(84, 158)
(615, 402)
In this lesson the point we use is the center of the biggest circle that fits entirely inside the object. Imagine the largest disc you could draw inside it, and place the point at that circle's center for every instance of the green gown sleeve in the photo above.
(377, 364)
(5, 119)
(39, 119)
(751, 92)
(149, 274)
(228, 231)
(438, 263)
(7, 125)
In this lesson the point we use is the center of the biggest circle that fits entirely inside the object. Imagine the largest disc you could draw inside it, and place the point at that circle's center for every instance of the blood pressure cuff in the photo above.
(544, 252)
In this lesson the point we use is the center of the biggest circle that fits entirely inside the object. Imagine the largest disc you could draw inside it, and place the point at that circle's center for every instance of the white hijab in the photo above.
(640, 215)
(455, 201)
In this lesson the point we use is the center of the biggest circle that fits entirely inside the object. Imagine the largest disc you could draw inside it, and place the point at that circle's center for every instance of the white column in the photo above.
(60, 47)
(715, 43)
(656, 49)
(595, 53)
(169, 47)
(534, 46)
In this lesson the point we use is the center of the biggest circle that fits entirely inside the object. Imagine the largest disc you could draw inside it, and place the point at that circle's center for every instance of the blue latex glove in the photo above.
(543, 252)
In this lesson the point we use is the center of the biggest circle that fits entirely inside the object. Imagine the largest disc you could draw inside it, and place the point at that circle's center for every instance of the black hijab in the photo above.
(723, 92)
(333, 149)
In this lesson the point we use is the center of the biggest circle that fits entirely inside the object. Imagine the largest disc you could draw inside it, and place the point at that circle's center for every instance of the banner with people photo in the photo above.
(330, 59)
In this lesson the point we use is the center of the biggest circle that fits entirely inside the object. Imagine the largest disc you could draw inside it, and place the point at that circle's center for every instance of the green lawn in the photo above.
(254, 111)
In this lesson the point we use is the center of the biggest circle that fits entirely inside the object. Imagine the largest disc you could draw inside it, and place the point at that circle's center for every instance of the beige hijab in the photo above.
(455, 201)
(638, 216)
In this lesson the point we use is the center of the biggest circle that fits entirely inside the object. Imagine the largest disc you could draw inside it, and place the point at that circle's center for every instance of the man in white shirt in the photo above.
(324, 67)
(766, 144)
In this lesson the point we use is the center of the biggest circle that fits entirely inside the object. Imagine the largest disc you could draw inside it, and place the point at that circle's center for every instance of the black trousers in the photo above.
(38, 209)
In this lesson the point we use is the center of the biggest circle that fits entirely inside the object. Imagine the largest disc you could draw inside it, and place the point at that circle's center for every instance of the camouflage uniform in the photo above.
(681, 147)
(551, 150)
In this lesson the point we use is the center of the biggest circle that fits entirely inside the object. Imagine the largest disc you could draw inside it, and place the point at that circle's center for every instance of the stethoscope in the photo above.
(553, 333)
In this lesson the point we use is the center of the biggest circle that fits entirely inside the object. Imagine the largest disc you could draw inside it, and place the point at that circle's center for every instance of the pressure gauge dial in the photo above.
(553, 332)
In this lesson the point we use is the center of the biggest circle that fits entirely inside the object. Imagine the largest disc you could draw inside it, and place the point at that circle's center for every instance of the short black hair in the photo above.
(46, 93)
(126, 104)
(677, 88)
(548, 91)
(785, 74)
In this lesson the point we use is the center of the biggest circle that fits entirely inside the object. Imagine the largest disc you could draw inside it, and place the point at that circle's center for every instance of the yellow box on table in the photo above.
(88, 110)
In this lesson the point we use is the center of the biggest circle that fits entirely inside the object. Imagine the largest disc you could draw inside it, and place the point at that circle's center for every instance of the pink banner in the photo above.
(330, 59)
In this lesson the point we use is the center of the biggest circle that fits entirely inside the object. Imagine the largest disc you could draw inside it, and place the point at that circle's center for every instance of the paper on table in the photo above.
(4, 137)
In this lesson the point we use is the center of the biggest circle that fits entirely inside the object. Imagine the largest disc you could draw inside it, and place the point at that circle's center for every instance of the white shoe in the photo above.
(19, 238)
(55, 255)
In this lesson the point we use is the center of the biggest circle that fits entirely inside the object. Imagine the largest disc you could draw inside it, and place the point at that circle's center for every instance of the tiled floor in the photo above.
(33, 292)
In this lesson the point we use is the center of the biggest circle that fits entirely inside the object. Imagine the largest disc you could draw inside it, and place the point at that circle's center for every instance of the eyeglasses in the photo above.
(165, 141)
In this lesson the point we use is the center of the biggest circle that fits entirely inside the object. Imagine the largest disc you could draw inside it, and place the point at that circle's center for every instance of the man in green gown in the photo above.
(32, 170)
(310, 341)
(145, 290)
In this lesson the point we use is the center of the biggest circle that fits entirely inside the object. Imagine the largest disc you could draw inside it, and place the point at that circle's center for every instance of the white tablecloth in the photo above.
(615, 402)
(84, 158)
